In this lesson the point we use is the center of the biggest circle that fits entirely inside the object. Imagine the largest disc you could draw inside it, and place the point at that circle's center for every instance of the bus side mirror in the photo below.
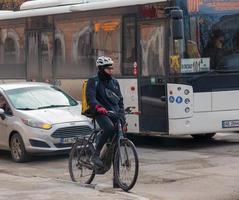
(177, 24)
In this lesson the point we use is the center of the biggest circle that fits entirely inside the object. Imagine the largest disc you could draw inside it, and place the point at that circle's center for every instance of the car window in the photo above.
(39, 97)
(4, 105)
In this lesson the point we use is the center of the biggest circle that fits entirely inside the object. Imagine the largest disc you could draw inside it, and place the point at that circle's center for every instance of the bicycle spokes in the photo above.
(126, 165)
(79, 163)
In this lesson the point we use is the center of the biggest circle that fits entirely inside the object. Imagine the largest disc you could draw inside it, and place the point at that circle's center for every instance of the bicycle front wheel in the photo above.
(126, 165)
(79, 165)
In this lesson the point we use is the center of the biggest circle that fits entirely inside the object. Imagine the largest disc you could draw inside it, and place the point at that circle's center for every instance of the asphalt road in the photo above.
(178, 168)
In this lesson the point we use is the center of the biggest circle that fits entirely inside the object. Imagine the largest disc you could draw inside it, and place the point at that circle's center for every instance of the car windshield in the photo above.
(42, 97)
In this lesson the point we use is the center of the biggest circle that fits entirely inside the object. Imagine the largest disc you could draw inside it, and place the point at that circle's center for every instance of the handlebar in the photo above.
(127, 111)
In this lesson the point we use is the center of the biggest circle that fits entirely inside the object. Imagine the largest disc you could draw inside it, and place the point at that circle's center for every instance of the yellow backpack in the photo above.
(85, 107)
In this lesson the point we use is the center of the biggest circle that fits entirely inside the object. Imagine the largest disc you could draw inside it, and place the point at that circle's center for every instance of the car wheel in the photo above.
(205, 136)
(18, 151)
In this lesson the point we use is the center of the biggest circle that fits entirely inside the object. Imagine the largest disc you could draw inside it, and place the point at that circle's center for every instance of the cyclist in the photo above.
(103, 94)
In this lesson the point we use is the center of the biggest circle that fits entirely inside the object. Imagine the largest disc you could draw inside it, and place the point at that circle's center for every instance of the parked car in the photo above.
(38, 118)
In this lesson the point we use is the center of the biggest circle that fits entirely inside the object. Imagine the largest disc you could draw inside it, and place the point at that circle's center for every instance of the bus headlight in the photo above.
(187, 110)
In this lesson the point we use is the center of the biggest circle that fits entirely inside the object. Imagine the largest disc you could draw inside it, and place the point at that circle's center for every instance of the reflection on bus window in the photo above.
(10, 52)
(44, 50)
(214, 38)
(85, 53)
(236, 42)
(193, 51)
(59, 48)
(59, 53)
(85, 40)
(215, 48)
(106, 40)
(129, 45)
(47, 42)
(153, 49)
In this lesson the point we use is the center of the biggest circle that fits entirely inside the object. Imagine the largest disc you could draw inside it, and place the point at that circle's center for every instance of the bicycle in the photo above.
(119, 151)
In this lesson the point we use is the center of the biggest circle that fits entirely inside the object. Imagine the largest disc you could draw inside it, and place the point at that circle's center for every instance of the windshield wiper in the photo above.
(52, 106)
(26, 109)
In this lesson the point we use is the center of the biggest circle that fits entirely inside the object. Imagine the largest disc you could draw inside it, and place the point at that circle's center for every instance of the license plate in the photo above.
(230, 124)
(67, 140)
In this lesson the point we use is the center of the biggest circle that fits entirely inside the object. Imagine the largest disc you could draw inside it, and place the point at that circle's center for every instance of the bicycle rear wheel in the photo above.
(126, 165)
(79, 165)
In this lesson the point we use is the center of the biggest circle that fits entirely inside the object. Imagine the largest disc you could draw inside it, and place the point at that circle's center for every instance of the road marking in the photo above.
(135, 196)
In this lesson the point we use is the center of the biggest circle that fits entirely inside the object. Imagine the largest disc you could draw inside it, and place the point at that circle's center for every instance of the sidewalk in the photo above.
(32, 188)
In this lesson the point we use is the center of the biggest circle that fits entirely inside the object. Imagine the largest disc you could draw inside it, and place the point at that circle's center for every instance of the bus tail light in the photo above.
(136, 113)
(135, 70)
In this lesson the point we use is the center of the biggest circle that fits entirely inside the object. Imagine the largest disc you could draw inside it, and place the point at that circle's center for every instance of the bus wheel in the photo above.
(205, 136)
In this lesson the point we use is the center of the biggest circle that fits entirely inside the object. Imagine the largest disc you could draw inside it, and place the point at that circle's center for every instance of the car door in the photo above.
(5, 124)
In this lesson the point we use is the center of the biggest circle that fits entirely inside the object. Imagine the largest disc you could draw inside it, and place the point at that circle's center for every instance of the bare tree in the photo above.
(10, 4)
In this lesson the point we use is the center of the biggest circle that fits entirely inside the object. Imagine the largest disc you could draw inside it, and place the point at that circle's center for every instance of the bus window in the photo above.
(10, 51)
(106, 40)
(85, 53)
(211, 34)
(75, 48)
(59, 52)
(129, 45)
(46, 56)
(211, 44)
(153, 49)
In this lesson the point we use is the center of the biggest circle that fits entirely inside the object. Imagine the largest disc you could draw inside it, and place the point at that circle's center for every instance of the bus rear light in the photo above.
(135, 70)
(132, 88)
(187, 110)
(136, 113)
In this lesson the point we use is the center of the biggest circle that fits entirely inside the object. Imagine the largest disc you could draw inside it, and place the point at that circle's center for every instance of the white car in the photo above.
(38, 118)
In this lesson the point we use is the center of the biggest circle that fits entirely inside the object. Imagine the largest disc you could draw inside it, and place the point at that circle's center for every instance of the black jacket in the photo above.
(104, 92)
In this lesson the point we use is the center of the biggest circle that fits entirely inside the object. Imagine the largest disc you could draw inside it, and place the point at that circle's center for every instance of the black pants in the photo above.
(107, 125)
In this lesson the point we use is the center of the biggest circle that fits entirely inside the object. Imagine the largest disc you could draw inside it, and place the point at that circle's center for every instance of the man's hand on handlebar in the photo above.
(101, 109)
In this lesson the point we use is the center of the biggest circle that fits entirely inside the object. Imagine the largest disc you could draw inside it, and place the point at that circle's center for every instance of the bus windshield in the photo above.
(211, 36)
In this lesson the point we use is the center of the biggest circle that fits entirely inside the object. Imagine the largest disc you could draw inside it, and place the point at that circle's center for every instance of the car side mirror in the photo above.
(2, 114)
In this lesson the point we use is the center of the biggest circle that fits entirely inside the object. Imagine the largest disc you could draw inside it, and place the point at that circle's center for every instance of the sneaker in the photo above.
(96, 160)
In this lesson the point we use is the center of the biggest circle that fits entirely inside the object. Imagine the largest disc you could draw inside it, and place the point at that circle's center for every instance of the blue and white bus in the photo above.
(177, 60)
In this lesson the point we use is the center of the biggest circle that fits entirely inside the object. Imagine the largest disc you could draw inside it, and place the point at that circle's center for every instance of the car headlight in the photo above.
(37, 124)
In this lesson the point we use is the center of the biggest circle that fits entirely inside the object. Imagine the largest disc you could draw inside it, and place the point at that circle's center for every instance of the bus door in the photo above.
(40, 55)
(152, 84)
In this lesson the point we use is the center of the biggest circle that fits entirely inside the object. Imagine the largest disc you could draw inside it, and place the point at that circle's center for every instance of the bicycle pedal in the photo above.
(99, 170)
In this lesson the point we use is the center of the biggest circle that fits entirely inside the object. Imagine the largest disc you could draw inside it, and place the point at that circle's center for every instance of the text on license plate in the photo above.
(230, 123)
(67, 140)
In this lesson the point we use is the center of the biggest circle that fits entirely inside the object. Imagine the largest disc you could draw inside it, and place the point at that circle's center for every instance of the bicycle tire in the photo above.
(78, 151)
(126, 187)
